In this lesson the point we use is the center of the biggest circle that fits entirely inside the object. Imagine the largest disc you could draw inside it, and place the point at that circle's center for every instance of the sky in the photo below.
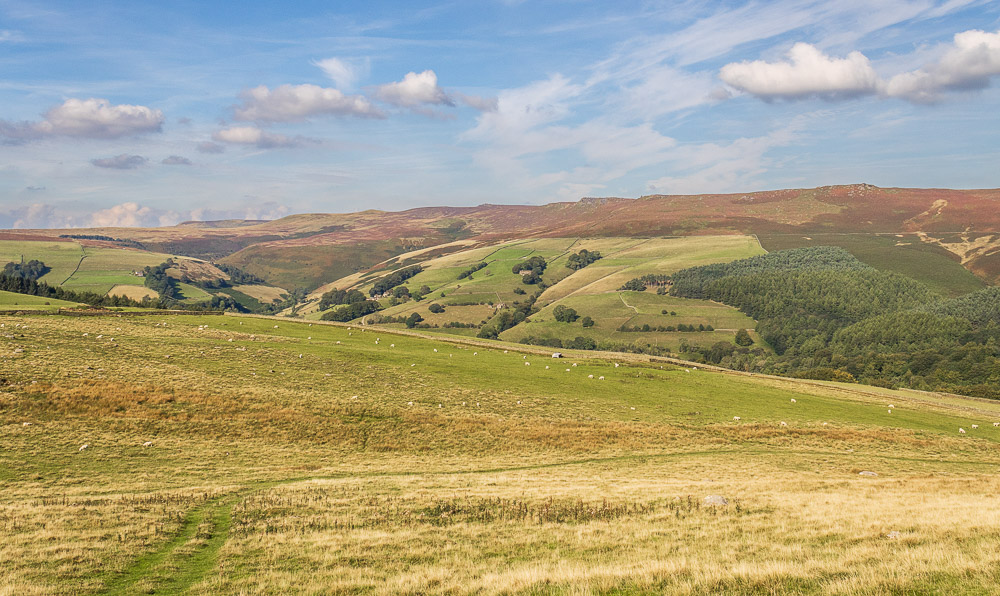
(149, 114)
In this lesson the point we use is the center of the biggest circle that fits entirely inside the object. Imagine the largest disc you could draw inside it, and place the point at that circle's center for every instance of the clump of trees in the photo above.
(638, 284)
(436, 308)
(337, 297)
(352, 311)
(32, 270)
(31, 287)
(564, 314)
(468, 272)
(396, 278)
(582, 259)
(157, 280)
(508, 317)
(238, 277)
(531, 269)
(647, 328)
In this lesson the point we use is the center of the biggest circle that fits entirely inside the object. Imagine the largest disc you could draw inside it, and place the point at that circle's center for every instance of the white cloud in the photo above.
(414, 90)
(807, 73)
(176, 160)
(123, 161)
(970, 63)
(34, 216)
(126, 215)
(343, 73)
(251, 135)
(290, 103)
(87, 118)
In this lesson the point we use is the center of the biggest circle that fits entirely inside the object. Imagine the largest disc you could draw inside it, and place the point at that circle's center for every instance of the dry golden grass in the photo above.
(291, 460)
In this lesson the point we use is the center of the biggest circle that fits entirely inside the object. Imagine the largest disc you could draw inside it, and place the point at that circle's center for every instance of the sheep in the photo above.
(300, 355)
(793, 400)
(996, 424)
(147, 444)
(275, 326)
(567, 370)
(633, 408)
(518, 402)
(616, 365)
(463, 403)
(338, 343)
(975, 426)
(435, 350)
(84, 446)
(25, 424)
(310, 337)
(890, 411)
(527, 364)
(475, 353)
(783, 423)
(590, 376)
(505, 351)
(409, 403)
(736, 418)
(574, 364)
(961, 431)
(392, 345)
(600, 378)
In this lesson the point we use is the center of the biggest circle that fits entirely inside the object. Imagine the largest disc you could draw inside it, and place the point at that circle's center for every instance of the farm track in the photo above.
(77, 266)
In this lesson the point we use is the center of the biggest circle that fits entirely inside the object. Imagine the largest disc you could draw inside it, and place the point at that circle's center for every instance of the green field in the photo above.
(929, 264)
(79, 268)
(294, 457)
(12, 301)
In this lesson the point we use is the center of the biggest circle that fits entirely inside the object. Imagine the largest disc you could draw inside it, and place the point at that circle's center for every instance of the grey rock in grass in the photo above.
(715, 500)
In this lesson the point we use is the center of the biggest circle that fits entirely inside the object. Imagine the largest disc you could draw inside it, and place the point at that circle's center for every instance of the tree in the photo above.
(564, 314)
(582, 259)
(412, 320)
(743, 338)
(587, 322)
(436, 308)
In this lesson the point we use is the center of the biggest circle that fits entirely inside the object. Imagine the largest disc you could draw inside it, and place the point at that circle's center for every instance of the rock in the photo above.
(715, 500)
(867, 474)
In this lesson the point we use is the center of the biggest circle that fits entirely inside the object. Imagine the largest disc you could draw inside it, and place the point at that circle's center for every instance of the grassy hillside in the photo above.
(12, 301)
(592, 290)
(288, 457)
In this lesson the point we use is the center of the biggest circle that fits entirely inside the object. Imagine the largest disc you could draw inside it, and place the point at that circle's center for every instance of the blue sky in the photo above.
(126, 113)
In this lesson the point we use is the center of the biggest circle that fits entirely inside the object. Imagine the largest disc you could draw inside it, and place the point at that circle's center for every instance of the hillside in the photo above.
(308, 250)
(211, 454)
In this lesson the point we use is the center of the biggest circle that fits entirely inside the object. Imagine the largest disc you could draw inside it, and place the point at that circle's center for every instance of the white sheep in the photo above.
(527, 364)
(409, 403)
(518, 402)
(736, 418)
(147, 444)
(435, 350)
(890, 411)
(600, 378)
(392, 345)
(275, 326)
(84, 446)
(616, 365)
(975, 426)
(793, 400)
(590, 376)
(546, 368)
(891, 406)
(25, 424)
(783, 423)
(961, 431)
(996, 424)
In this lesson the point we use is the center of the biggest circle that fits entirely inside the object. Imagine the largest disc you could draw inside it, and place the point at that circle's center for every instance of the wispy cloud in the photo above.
(251, 135)
(176, 160)
(123, 161)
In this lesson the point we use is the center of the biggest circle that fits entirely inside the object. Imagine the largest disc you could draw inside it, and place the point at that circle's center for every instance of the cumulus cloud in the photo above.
(290, 103)
(344, 74)
(122, 161)
(969, 63)
(86, 118)
(126, 215)
(251, 135)
(210, 147)
(414, 90)
(808, 72)
(176, 160)
(34, 216)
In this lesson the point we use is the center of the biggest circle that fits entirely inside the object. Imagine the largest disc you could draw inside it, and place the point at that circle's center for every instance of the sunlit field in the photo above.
(248, 455)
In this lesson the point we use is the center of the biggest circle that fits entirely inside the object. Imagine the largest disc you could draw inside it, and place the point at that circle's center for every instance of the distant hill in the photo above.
(307, 250)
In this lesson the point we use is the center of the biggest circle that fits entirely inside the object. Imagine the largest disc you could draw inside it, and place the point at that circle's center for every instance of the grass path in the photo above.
(187, 558)
(80, 262)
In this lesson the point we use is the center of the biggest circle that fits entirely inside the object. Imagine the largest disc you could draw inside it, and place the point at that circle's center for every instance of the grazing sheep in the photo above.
(409, 403)
(783, 423)
(590, 376)
(25, 424)
(84, 446)
(890, 411)
(310, 337)
(463, 403)
(392, 345)
(275, 326)
(527, 364)
(736, 418)
(616, 365)
(633, 408)
(567, 370)
(996, 424)
(439, 405)
(505, 351)
(147, 444)
(574, 364)
(974, 426)
(547, 368)
(600, 378)
(435, 350)
(300, 355)
(793, 400)
(825, 423)
(518, 402)
(961, 431)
